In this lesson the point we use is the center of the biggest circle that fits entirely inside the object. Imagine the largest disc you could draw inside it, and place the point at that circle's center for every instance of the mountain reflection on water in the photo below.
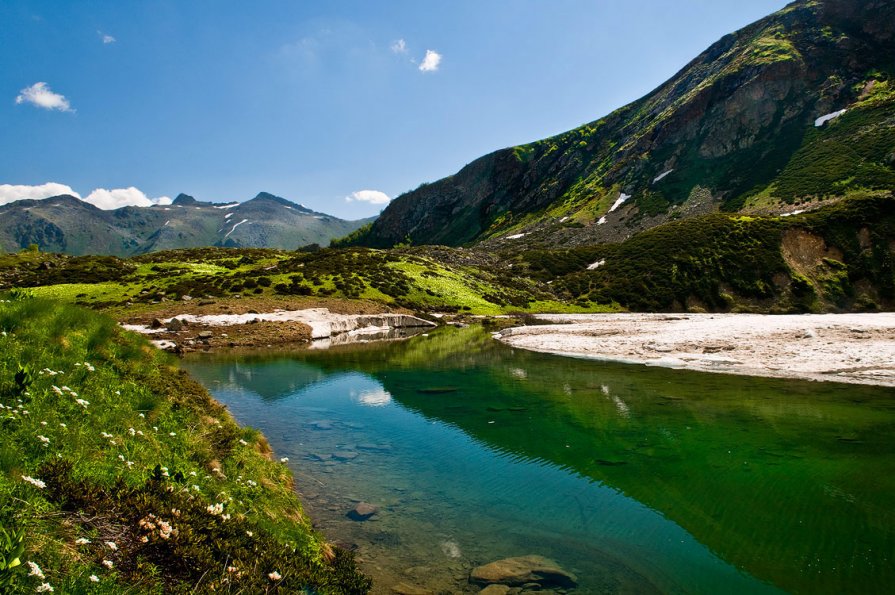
(636, 478)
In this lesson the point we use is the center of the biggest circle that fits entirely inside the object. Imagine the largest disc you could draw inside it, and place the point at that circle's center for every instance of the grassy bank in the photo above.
(118, 473)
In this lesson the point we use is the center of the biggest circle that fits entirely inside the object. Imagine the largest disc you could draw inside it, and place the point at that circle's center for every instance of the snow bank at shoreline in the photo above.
(324, 324)
(854, 348)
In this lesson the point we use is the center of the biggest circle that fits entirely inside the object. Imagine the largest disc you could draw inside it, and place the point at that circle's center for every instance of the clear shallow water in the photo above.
(637, 480)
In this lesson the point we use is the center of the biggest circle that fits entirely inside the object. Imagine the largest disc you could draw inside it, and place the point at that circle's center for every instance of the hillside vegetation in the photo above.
(118, 473)
(840, 257)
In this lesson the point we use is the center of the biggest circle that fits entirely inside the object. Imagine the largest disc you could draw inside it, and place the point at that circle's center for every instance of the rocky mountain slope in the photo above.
(795, 109)
(67, 224)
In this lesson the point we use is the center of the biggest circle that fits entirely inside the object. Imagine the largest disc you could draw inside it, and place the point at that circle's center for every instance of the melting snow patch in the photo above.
(234, 228)
(228, 215)
(602, 221)
(799, 212)
(166, 223)
(824, 119)
(621, 200)
(564, 219)
(236, 204)
(662, 176)
(516, 237)
(596, 265)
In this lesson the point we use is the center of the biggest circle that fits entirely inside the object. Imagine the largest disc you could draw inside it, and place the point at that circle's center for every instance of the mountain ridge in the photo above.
(733, 130)
(68, 224)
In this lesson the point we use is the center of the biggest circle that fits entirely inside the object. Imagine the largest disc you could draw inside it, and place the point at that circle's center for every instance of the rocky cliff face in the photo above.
(734, 130)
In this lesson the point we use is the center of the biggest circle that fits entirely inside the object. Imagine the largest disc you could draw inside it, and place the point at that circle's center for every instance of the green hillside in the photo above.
(793, 109)
(118, 473)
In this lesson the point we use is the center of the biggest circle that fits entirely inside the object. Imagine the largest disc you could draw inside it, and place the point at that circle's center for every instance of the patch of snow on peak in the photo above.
(799, 212)
(662, 176)
(602, 221)
(824, 119)
(234, 228)
(621, 200)
(516, 237)
(564, 219)
(230, 206)
(166, 223)
(596, 265)
(228, 215)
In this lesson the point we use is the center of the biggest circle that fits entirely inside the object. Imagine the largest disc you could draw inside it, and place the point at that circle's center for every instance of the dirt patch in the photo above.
(804, 252)
(200, 337)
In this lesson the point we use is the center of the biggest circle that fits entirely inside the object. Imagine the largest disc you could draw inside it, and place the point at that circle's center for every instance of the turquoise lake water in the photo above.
(637, 480)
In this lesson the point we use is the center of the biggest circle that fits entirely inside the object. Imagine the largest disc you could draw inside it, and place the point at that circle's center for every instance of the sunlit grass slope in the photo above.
(118, 473)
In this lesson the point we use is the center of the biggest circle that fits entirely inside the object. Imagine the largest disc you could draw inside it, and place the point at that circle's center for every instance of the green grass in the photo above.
(145, 444)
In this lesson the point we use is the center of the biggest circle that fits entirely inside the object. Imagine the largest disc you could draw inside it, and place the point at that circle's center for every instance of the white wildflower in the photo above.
(112, 546)
(250, 534)
(35, 570)
(132, 431)
(108, 564)
(63, 426)
(82, 541)
(274, 576)
(44, 588)
(105, 434)
(57, 390)
(82, 403)
(43, 423)
(243, 442)
(172, 433)
(35, 482)
(94, 578)
(143, 415)
(215, 509)
(43, 439)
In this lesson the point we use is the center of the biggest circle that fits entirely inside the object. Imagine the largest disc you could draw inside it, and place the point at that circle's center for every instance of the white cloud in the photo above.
(374, 197)
(431, 62)
(40, 95)
(399, 46)
(11, 193)
(123, 197)
(107, 39)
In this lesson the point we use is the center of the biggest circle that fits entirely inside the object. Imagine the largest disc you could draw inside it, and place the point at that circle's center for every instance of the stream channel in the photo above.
(635, 479)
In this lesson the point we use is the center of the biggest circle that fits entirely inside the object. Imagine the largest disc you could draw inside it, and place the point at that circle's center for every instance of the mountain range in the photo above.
(70, 225)
(793, 110)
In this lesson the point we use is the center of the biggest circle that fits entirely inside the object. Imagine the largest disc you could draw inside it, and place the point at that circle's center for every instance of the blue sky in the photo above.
(315, 101)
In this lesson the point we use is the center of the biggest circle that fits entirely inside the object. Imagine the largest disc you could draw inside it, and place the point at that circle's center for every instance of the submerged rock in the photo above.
(405, 589)
(363, 511)
(523, 570)
(495, 590)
